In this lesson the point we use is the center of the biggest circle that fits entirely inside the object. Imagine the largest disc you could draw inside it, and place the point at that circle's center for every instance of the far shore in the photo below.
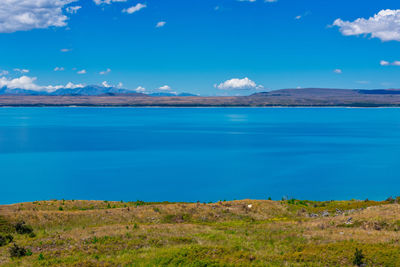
(286, 98)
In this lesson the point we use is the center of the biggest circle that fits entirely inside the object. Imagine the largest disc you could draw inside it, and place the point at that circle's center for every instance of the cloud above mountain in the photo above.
(238, 84)
(29, 83)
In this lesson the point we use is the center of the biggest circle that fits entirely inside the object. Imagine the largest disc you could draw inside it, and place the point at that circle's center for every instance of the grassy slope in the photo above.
(270, 233)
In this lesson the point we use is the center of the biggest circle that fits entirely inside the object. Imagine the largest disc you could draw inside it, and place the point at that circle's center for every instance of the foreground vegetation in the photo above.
(231, 233)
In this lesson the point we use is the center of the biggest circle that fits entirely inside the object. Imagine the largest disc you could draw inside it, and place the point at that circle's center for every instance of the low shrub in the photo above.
(22, 228)
(358, 257)
(40, 257)
(17, 251)
(5, 239)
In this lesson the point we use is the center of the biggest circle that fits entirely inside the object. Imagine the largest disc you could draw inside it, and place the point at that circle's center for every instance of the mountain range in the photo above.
(91, 90)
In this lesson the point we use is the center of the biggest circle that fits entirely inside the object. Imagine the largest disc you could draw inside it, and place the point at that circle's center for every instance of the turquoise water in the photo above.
(206, 154)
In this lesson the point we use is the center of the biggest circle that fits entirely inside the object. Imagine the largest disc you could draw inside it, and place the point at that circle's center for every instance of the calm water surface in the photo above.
(206, 154)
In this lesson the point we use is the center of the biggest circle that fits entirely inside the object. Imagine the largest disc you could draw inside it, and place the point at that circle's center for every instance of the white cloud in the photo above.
(106, 84)
(120, 85)
(29, 83)
(299, 17)
(160, 24)
(59, 69)
(238, 84)
(384, 63)
(82, 72)
(165, 88)
(387, 63)
(21, 70)
(24, 82)
(338, 71)
(134, 9)
(73, 9)
(71, 85)
(271, 1)
(24, 15)
(99, 2)
(385, 25)
(65, 50)
(140, 89)
(104, 72)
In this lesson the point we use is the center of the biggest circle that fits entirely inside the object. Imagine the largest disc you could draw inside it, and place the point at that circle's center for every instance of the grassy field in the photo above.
(228, 233)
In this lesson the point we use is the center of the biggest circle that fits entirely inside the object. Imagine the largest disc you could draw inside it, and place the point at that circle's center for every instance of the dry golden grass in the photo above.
(234, 233)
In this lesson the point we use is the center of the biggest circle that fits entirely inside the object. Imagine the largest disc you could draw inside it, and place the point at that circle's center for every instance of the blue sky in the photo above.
(208, 47)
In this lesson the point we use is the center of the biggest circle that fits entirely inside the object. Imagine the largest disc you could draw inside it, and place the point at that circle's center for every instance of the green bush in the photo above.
(22, 228)
(17, 251)
(358, 257)
(5, 239)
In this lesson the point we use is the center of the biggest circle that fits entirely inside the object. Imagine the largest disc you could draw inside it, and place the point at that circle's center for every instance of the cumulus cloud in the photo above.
(120, 85)
(104, 72)
(24, 15)
(387, 63)
(338, 71)
(73, 9)
(59, 69)
(134, 9)
(99, 2)
(71, 85)
(238, 84)
(161, 24)
(140, 89)
(82, 72)
(29, 83)
(165, 88)
(65, 50)
(385, 25)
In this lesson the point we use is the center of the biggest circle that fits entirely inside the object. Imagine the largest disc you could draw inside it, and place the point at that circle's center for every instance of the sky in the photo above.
(206, 47)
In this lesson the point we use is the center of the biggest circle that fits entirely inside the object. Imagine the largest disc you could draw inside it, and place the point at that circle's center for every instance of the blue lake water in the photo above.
(206, 154)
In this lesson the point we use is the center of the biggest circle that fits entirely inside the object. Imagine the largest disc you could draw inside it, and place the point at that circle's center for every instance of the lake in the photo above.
(205, 154)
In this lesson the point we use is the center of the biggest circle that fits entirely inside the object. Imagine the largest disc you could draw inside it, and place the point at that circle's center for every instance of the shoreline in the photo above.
(195, 107)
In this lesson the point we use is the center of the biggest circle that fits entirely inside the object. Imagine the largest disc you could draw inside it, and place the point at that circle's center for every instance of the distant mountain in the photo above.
(90, 90)
(17, 91)
(186, 94)
(309, 97)
(160, 94)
